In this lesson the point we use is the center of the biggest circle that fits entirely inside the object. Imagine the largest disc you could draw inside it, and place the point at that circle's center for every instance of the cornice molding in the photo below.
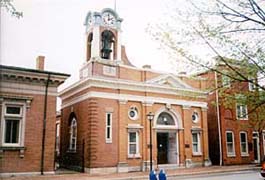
(128, 85)
(127, 97)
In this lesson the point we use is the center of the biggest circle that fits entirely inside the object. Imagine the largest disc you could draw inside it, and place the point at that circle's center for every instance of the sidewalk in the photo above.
(141, 175)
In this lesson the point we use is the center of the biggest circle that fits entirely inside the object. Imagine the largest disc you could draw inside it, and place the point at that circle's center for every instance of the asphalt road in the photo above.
(245, 175)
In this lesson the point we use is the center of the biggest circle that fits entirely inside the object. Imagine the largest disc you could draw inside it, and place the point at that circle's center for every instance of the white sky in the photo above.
(54, 28)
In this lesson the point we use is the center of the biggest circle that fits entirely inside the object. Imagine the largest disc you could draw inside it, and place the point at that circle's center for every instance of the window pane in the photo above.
(132, 148)
(238, 111)
(165, 119)
(194, 138)
(12, 110)
(195, 148)
(11, 131)
(244, 147)
(108, 133)
(133, 137)
(230, 148)
(244, 111)
(243, 137)
(229, 137)
(108, 119)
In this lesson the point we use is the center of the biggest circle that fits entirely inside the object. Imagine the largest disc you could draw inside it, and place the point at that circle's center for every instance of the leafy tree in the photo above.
(9, 7)
(224, 36)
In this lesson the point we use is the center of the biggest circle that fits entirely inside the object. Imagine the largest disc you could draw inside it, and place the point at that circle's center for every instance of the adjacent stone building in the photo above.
(104, 125)
(27, 99)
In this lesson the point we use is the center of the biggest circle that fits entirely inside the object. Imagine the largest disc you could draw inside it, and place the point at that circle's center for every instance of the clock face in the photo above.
(108, 18)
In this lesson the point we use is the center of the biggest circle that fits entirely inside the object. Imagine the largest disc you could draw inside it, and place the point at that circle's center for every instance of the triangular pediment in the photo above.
(169, 80)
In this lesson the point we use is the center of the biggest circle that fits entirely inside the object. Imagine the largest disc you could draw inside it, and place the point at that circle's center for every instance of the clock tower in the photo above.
(103, 36)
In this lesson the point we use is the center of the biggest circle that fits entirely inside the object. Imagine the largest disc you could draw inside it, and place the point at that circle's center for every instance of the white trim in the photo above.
(22, 123)
(175, 115)
(198, 134)
(230, 154)
(241, 111)
(246, 136)
(127, 85)
(128, 97)
(108, 140)
(226, 81)
(263, 137)
(71, 135)
(258, 147)
(137, 154)
(135, 110)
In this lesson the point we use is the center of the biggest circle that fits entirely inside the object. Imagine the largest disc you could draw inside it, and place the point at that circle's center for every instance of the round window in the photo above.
(195, 117)
(133, 113)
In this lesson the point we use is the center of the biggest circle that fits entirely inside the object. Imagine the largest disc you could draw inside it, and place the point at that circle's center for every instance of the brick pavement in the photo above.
(139, 175)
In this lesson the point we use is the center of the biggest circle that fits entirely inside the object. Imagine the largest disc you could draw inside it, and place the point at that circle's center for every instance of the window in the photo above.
(243, 144)
(241, 112)
(251, 86)
(195, 117)
(226, 82)
(133, 113)
(12, 124)
(196, 145)
(73, 135)
(230, 148)
(108, 127)
(133, 144)
(165, 119)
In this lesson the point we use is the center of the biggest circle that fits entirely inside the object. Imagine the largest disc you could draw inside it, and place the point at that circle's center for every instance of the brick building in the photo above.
(104, 127)
(233, 137)
(22, 102)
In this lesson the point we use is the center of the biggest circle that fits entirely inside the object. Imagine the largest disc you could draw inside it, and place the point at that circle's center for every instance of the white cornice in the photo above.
(23, 88)
(128, 85)
(16, 74)
(128, 97)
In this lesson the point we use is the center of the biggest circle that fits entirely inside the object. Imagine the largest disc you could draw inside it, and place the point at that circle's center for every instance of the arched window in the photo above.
(108, 45)
(165, 119)
(73, 135)
(89, 45)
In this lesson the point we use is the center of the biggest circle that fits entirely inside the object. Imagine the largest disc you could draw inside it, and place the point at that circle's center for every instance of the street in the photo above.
(246, 175)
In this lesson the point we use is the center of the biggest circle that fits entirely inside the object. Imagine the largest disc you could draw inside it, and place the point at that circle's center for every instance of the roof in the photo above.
(32, 70)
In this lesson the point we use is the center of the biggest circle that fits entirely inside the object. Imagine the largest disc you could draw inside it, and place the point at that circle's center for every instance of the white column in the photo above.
(95, 48)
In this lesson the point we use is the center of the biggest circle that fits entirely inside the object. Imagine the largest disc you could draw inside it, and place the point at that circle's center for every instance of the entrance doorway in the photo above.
(167, 148)
(162, 148)
(256, 147)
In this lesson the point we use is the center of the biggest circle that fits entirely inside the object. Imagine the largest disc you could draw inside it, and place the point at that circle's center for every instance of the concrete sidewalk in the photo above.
(141, 175)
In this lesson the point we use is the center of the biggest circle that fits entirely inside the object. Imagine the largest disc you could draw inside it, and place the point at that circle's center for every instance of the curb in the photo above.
(188, 174)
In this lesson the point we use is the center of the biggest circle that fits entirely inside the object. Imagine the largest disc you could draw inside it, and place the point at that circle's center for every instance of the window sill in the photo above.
(244, 155)
(132, 156)
(197, 154)
(12, 148)
(71, 151)
(231, 155)
(242, 119)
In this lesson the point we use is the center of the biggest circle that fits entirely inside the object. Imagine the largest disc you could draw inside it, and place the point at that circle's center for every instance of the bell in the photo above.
(106, 53)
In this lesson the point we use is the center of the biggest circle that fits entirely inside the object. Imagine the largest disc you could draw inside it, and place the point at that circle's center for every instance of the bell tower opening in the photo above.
(89, 45)
(108, 45)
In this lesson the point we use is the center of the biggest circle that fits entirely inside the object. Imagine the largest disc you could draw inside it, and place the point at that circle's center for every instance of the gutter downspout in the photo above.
(218, 120)
(44, 124)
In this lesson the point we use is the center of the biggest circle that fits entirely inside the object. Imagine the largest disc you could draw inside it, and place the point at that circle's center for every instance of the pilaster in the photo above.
(122, 137)
(187, 133)
(205, 141)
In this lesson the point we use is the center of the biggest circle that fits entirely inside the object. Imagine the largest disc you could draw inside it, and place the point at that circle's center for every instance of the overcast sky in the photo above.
(54, 28)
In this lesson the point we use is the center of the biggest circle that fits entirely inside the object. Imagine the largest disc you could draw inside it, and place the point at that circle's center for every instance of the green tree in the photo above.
(196, 32)
(9, 7)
